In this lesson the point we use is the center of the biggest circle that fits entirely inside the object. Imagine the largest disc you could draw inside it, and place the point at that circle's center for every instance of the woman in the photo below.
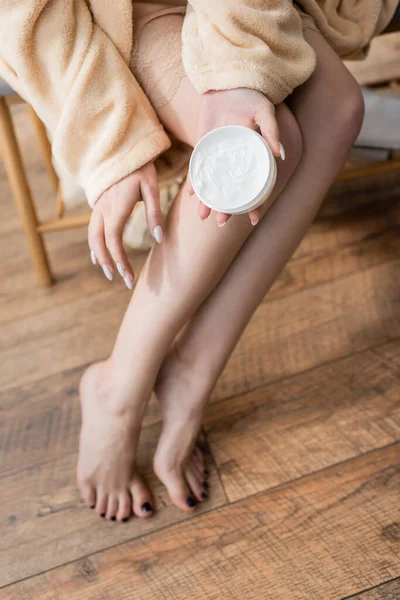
(200, 66)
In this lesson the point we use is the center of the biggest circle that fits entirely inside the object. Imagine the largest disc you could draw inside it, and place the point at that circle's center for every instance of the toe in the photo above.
(198, 459)
(142, 504)
(124, 507)
(101, 504)
(196, 466)
(178, 489)
(112, 507)
(195, 482)
(200, 471)
(88, 494)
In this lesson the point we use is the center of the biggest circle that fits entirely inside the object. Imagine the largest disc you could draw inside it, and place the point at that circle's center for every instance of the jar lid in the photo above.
(232, 169)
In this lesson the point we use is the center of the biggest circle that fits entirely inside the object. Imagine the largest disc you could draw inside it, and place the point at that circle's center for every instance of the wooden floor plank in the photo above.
(342, 243)
(76, 278)
(306, 423)
(296, 333)
(386, 591)
(323, 537)
(40, 422)
(390, 353)
(314, 266)
(64, 337)
(45, 523)
(285, 336)
(278, 432)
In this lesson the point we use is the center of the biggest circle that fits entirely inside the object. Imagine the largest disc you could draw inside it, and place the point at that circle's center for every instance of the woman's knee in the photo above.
(329, 105)
(349, 114)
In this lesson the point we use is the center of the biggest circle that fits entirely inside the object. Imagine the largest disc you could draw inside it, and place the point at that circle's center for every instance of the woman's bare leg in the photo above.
(328, 110)
(178, 276)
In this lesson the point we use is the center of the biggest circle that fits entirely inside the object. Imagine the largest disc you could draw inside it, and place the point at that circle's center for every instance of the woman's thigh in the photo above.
(180, 115)
(157, 65)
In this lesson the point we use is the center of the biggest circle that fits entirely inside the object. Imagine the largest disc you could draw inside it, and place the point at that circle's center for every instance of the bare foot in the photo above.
(178, 462)
(106, 471)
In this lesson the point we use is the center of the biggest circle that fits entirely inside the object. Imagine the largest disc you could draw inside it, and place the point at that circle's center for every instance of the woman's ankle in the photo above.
(105, 382)
(186, 371)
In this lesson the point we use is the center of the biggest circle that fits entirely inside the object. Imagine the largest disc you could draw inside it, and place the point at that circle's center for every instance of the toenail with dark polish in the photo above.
(147, 507)
(113, 518)
(204, 495)
(206, 472)
(103, 514)
(92, 507)
(125, 519)
(191, 501)
(205, 484)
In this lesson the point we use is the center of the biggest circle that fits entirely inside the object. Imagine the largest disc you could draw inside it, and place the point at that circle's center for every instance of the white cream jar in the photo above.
(232, 169)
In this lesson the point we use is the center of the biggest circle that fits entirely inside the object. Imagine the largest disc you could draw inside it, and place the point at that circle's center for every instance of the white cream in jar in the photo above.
(232, 169)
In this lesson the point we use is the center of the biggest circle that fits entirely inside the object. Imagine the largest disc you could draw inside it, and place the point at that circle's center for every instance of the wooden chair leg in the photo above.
(45, 147)
(16, 175)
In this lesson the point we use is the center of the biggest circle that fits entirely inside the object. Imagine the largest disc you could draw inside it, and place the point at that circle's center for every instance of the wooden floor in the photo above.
(302, 430)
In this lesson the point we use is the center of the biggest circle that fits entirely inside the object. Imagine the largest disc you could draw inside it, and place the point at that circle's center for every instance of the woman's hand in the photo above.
(110, 214)
(242, 106)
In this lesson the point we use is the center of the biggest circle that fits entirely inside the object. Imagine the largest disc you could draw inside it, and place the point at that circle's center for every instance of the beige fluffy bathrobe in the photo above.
(69, 59)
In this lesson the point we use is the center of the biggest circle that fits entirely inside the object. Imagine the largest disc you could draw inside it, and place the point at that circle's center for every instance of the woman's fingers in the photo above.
(222, 218)
(110, 214)
(97, 244)
(255, 216)
(189, 186)
(113, 232)
(105, 239)
(150, 193)
(203, 211)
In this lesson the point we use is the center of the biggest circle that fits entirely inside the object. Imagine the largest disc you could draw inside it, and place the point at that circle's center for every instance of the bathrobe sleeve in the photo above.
(66, 67)
(254, 44)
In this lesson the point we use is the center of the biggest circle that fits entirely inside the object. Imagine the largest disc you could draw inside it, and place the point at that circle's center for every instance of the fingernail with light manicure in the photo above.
(222, 224)
(282, 151)
(121, 270)
(254, 222)
(128, 282)
(93, 257)
(107, 272)
(158, 234)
